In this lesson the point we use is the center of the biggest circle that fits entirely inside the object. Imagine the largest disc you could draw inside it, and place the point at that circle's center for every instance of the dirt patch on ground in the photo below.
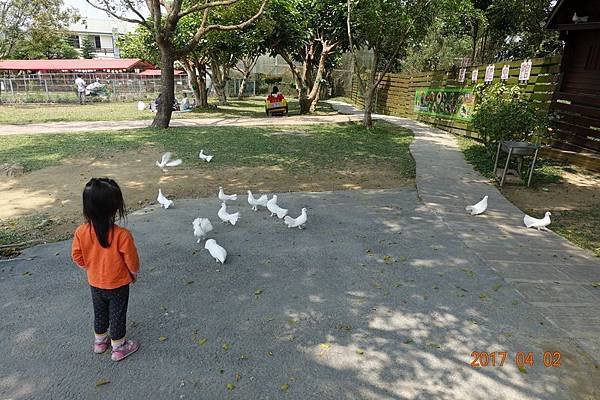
(55, 192)
(577, 190)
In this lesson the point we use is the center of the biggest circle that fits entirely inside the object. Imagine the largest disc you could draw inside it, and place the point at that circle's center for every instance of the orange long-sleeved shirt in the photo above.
(107, 268)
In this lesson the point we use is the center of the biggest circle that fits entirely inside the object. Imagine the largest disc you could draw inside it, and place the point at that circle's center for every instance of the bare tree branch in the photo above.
(361, 83)
(206, 5)
(107, 10)
(189, 46)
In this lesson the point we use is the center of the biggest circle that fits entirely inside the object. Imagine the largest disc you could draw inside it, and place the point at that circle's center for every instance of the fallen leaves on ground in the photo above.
(360, 351)
(162, 338)
(325, 345)
(101, 382)
(202, 341)
(225, 346)
(230, 386)
(258, 292)
(285, 387)
(468, 272)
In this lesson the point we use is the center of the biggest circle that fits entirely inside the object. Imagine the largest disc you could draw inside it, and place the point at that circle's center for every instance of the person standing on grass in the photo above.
(80, 88)
(108, 254)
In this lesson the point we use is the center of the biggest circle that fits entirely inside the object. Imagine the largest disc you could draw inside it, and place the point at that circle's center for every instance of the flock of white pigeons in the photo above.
(202, 225)
(530, 222)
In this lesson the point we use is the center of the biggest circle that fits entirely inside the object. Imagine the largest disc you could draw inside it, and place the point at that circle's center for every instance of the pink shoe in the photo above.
(102, 345)
(127, 348)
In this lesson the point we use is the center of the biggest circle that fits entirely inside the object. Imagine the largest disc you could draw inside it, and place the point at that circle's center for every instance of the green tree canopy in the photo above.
(32, 29)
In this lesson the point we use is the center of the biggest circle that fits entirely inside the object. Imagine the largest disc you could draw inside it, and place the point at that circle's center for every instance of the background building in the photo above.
(103, 35)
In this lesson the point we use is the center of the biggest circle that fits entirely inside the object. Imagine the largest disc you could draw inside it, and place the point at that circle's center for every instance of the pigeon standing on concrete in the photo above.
(226, 217)
(261, 201)
(296, 222)
(204, 157)
(218, 252)
(167, 162)
(275, 209)
(478, 208)
(224, 197)
(163, 201)
(201, 227)
(538, 224)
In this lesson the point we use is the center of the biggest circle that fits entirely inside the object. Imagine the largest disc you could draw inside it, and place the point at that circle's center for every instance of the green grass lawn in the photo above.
(302, 150)
(36, 113)
(306, 148)
(579, 226)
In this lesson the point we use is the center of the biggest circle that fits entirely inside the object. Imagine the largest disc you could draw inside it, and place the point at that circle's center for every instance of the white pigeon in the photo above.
(539, 224)
(166, 161)
(275, 209)
(204, 157)
(141, 106)
(224, 197)
(201, 227)
(296, 222)
(254, 202)
(226, 217)
(218, 252)
(577, 19)
(163, 201)
(478, 208)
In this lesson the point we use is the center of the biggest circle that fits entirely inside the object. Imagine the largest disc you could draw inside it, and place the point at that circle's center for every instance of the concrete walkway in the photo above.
(549, 272)
(91, 126)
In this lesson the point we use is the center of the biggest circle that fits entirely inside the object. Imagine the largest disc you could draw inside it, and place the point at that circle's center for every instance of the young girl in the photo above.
(107, 253)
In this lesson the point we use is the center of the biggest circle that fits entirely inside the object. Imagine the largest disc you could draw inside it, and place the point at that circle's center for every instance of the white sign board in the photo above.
(489, 73)
(474, 75)
(505, 72)
(525, 71)
(462, 73)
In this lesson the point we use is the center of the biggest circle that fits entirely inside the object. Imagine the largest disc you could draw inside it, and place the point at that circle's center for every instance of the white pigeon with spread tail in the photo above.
(226, 217)
(254, 202)
(204, 157)
(218, 252)
(275, 209)
(201, 227)
(296, 222)
(536, 223)
(478, 208)
(224, 197)
(163, 201)
(167, 162)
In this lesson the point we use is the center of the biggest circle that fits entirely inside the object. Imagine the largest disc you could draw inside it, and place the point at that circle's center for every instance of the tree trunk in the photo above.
(219, 81)
(313, 96)
(190, 69)
(242, 89)
(167, 79)
(367, 119)
(201, 76)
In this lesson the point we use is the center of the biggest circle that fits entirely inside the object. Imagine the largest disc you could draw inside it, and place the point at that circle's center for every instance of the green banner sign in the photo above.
(450, 103)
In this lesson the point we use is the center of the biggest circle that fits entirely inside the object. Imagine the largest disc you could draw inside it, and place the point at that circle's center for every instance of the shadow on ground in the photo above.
(376, 299)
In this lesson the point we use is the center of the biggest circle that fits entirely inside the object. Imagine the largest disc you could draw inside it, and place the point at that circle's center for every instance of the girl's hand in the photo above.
(134, 277)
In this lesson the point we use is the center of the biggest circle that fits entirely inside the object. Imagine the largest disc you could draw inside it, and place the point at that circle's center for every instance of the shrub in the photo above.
(503, 113)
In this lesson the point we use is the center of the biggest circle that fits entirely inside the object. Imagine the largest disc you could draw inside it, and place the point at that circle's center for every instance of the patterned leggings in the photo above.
(110, 309)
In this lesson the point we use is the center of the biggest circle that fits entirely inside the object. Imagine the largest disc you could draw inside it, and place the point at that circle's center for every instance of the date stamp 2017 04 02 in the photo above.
(497, 358)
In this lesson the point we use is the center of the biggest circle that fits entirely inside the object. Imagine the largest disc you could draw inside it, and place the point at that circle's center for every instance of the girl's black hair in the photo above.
(275, 90)
(102, 201)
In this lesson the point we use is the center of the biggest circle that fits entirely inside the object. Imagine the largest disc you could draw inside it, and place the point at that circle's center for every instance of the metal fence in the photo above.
(60, 87)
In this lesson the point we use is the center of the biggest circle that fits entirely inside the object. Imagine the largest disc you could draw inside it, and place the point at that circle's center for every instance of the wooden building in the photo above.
(576, 101)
